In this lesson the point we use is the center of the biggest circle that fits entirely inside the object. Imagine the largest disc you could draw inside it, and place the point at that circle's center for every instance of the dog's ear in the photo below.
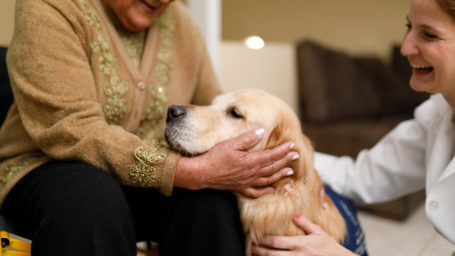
(286, 129)
(275, 137)
(291, 131)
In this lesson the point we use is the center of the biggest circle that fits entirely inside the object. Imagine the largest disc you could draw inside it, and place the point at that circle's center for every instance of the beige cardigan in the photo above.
(79, 97)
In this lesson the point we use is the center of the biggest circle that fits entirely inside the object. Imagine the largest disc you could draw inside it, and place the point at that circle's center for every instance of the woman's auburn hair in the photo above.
(448, 6)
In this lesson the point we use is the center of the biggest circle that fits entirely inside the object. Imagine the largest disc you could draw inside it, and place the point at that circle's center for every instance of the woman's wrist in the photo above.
(347, 252)
(188, 174)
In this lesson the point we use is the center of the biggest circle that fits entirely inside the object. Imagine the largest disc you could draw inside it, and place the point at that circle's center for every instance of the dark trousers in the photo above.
(77, 209)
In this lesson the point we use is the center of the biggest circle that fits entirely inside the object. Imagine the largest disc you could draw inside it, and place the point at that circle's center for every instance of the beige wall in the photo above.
(357, 26)
(272, 69)
(6, 21)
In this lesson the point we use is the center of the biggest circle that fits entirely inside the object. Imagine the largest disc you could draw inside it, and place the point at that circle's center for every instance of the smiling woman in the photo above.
(427, 42)
(417, 154)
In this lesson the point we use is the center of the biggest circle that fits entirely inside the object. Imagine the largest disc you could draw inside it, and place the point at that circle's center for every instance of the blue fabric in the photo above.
(354, 239)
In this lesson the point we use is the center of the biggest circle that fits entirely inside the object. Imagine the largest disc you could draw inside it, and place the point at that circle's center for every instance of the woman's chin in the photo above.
(137, 26)
(422, 83)
(137, 21)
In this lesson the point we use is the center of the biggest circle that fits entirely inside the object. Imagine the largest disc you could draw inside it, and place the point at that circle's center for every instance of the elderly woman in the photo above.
(417, 154)
(83, 168)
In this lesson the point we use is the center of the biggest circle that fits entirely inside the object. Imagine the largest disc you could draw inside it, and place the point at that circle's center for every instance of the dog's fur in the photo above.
(198, 128)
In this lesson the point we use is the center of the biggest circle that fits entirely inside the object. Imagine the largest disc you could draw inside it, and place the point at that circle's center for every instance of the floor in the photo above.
(413, 237)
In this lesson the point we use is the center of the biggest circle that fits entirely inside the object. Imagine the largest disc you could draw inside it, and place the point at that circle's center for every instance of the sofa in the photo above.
(347, 103)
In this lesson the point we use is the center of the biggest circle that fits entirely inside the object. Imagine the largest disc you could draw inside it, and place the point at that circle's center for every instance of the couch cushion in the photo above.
(349, 137)
(334, 86)
(6, 96)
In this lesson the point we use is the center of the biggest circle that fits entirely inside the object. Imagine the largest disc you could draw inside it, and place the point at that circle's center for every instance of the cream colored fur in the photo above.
(234, 113)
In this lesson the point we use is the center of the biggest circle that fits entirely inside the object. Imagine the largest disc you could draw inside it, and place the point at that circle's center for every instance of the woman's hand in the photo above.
(316, 242)
(228, 166)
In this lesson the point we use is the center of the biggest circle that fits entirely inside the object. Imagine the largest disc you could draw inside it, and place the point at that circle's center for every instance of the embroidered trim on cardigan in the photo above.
(115, 109)
(134, 45)
(12, 168)
(143, 172)
(157, 108)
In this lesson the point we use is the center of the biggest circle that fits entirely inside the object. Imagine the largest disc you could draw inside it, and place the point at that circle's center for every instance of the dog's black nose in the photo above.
(174, 112)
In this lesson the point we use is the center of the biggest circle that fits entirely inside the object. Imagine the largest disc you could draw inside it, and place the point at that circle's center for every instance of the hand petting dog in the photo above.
(229, 166)
(303, 245)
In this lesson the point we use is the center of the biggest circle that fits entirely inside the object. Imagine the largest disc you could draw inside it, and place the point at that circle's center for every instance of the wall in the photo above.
(272, 69)
(357, 26)
(6, 21)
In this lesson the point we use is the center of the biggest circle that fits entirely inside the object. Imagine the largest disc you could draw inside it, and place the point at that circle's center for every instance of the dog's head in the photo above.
(193, 130)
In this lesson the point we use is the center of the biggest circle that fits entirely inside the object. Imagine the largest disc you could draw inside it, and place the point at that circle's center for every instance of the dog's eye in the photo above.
(233, 112)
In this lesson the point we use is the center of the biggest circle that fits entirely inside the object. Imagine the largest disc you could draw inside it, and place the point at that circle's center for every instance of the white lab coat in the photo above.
(417, 154)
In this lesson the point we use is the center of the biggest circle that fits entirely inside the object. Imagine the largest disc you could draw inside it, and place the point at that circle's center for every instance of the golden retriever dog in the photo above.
(194, 130)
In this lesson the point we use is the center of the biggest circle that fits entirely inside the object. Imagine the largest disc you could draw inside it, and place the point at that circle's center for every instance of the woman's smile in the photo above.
(149, 6)
(422, 71)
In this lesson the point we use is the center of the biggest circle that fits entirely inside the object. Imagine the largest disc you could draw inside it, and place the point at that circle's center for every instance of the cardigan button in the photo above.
(141, 85)
(433, 205)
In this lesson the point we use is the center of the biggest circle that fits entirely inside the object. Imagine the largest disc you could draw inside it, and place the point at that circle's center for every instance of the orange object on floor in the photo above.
(12, 246)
